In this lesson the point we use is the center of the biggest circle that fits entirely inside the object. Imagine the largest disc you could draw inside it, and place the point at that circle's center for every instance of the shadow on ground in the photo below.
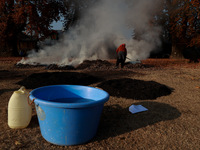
(34, 122)
(53, 78)
(117, 120)
(5, 74)
(6, 90)
(117, 73)
(135, 89)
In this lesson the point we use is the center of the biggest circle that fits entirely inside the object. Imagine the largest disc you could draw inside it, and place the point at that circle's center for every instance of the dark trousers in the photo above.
(121, 58)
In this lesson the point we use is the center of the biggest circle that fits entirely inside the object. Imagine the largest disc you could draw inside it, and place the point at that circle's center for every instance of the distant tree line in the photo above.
(34, 18)
(180, 20)
(181, 26)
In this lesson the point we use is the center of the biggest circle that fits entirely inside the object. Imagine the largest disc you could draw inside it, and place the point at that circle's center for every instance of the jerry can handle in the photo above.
(28, 99)
(22, 89)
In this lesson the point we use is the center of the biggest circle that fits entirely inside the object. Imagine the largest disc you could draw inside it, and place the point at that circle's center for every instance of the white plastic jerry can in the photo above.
(19, 110)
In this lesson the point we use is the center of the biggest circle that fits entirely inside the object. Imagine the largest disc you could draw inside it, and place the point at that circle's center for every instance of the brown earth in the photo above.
(169, 89)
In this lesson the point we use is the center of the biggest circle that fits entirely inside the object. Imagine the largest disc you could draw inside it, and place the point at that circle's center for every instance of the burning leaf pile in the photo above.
(48, 67)
(19, 65)
(85, 65)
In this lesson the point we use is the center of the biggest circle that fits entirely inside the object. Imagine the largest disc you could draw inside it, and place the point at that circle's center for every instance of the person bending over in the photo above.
(121, 55)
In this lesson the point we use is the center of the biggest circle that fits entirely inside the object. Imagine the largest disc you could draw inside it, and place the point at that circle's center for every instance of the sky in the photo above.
(57, 25)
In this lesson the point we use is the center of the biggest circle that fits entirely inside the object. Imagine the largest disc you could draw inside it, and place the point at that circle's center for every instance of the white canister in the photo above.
(19, 110)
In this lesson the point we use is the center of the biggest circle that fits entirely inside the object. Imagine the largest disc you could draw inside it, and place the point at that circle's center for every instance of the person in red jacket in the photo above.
(121, 55)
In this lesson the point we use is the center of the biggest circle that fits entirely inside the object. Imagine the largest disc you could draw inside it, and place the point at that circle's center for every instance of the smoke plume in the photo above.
(102, 28)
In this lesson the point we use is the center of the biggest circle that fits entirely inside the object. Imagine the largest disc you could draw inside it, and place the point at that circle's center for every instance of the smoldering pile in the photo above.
(47, 67)
(106, 65)
(94, 65)
(20, 65)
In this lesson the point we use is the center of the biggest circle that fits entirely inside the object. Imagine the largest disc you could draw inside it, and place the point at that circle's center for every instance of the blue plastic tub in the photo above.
(68, 114)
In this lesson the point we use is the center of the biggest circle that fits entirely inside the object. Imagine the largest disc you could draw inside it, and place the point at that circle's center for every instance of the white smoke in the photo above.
(105, 26)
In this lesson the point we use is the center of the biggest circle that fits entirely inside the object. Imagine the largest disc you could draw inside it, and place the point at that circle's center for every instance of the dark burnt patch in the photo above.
(135, 89)
(36, 80)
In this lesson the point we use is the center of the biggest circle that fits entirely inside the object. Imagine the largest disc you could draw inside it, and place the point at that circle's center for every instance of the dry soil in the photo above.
(169, 89)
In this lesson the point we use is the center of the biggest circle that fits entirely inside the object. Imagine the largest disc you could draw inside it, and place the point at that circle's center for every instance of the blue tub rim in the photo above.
(69, 105)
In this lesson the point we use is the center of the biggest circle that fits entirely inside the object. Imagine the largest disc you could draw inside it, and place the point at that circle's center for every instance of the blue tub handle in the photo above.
(28, 99)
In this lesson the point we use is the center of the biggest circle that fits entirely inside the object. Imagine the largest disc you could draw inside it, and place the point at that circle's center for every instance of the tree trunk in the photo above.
(13, 42)
(176, 52)
(177, 49)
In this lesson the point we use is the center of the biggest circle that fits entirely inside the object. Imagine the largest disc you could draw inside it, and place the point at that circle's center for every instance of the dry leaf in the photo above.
(17, 143)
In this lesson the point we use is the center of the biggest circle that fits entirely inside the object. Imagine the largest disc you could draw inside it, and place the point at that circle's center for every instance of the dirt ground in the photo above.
(169, 89)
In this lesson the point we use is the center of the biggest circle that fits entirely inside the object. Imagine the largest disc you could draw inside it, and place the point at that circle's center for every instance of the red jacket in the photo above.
(122, 48)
